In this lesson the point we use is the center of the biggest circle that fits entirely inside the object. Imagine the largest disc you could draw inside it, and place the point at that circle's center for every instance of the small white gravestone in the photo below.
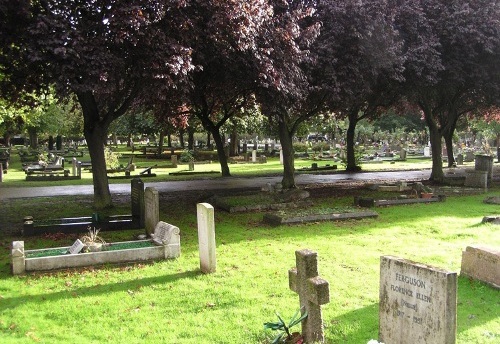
(18, 258)
(206, 237)
(281, 157)
(168, 236)
(163, 233)
(427, 151)
(254, 156)
(76, 247)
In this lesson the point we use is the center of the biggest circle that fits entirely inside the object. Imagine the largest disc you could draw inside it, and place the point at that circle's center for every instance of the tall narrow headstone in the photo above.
(281, 156)
(73, 167)
(137, 200)
(254, 156)
(418, 303)
(206, 237)
(427, 151)
(151, 209)
(313, 292)
(173, 160)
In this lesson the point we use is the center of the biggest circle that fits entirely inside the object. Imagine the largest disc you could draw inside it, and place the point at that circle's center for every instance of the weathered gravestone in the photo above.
(137, 200)
(77, 246)
(206, 237)
(173, 160)
(151, 209)
(482, 263)
(313, 292)
(418, 303)
(18, 258)
(169, 236)
(254, 156)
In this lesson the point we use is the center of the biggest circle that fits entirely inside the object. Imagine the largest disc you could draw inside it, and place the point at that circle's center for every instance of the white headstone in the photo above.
(151, 209)
(73, 167)
(206, 237)
(18, 258)
(281, 156)
(77, 247)
(427, 151)
(163, 233)
(254, 156)
(418, 303)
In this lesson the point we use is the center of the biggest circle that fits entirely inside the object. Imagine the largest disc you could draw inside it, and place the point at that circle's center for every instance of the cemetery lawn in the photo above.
(173, 302)
(15, 176)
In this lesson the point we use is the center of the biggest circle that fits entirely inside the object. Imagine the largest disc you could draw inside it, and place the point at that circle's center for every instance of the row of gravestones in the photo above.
(418, 302)
(145, 208)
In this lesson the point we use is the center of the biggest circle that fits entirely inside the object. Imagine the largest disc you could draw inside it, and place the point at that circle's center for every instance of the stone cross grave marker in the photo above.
(418, 303)
(206, 237)
(151, 209)
(313, 292)
(137, 200)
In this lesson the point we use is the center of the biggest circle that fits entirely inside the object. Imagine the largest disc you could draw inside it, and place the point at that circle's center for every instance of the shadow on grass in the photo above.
(100, 289)
(477, 304)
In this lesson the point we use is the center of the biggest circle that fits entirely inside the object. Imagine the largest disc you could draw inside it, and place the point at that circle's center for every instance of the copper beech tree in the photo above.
(106, 53)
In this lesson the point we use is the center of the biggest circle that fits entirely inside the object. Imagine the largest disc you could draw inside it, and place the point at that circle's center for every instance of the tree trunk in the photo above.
(160, 142)
(209, 144)
(181, 138)
(190, 131)
(288, 181)
(351, 156)
(33, 138)
(437, 173)
(448, 140)
(95, 133)
(233, 146)
(219, 143)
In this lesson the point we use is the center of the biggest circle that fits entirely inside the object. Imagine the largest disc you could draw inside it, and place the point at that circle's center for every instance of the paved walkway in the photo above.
(215, 184)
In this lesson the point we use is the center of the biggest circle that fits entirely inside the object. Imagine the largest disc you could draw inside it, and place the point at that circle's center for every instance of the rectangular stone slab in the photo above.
(482, 263)
(418, 303)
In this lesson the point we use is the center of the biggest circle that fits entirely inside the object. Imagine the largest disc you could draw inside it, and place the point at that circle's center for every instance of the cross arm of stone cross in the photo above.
(316, 289)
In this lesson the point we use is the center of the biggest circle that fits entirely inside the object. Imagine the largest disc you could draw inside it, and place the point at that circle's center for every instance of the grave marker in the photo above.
(206, 237)
(482, 263)
(151, 209)
(313, 292)
(18, 265)
(254, 156)
(168, 235)
(76, 247)
(418, 303)
(137, 200)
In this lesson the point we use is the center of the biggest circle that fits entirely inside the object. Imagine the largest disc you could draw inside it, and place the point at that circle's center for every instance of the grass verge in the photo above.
(172, 302)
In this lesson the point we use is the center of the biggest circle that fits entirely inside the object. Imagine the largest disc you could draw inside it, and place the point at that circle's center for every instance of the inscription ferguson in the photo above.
(417, 303)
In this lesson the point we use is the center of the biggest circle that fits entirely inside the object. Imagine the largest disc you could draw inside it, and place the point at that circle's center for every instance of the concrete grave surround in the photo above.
(151, 209)
(482, 263)
(313, 292)
(21, 263)
(206, 237)
(418, 303)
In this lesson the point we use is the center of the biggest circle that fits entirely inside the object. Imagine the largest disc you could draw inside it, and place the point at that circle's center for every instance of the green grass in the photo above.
(16, 176)
(172, 302)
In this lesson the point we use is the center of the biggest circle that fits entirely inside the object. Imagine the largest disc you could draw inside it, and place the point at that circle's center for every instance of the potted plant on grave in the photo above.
(92, 241)
(285, 335)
